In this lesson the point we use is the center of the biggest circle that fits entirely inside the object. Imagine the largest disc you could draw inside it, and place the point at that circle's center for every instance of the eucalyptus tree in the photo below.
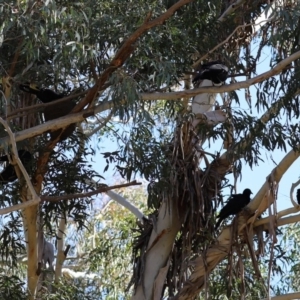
(127, 66)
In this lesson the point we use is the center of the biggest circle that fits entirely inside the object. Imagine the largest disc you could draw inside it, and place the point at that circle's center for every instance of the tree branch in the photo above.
(279, 220)
(35, 199)
(20, 206)
(285, 297)
(72, 118)
(195, 64)
(61, 257)
(42, 106)
(104, 121)
(68, 273)
(57, 123)
(206, 262)
(102, 189)
(232, 7)
(126, 50)
(260, 200)
(122, 201)
(224, 88)
(289, 220)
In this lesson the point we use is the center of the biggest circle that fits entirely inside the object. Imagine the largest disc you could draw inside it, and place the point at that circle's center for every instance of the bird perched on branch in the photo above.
(213, 73)
(9, 173)
(52, 112)
(298, 196)
(235, 204)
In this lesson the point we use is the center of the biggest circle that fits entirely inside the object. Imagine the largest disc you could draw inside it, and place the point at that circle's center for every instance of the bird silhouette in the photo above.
(9, 173)
(235, 204)
(298, 196)
(52, 112)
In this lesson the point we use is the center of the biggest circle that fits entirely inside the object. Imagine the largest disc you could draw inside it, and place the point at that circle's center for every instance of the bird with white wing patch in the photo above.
(213, 73)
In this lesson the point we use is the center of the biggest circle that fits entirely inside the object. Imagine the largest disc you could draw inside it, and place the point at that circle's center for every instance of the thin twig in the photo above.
(232, 7)
(195, 64)
(101, 189)
(104, 122)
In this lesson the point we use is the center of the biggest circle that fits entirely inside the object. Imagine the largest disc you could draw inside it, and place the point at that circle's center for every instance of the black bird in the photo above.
(9, 173)
(298, 196)
(52, 112)
(235, 204)
(214, 71)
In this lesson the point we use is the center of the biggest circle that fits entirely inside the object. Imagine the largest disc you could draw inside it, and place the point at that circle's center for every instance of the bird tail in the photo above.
(4, 158)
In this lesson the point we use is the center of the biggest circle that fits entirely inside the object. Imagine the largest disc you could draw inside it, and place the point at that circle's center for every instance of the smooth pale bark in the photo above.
(159, 248)
(122, 201)
(275, 175)
(60, 245)
(290, 296)
(30, 218)
(205, 263)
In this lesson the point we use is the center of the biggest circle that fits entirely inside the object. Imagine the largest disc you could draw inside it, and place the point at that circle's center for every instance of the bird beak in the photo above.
(33, 86)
